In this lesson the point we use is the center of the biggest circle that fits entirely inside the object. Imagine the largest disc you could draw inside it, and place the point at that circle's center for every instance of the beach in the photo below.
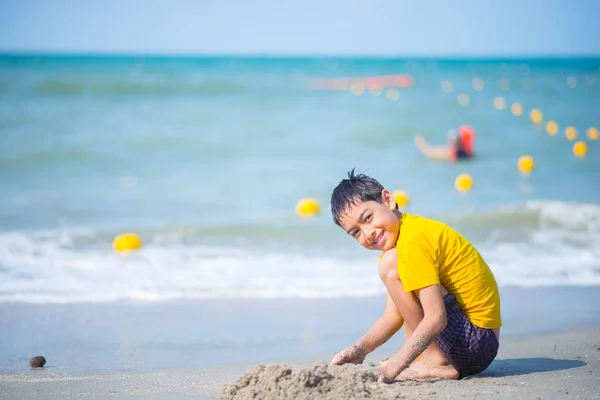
(205, 159)
(548, 347)
(563, 365)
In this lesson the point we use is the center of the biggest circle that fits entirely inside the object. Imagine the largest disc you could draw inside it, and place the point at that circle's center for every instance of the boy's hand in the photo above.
(354, 354)
(383, 375)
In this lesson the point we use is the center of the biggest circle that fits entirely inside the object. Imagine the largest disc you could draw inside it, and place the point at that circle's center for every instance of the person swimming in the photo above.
(461, 144)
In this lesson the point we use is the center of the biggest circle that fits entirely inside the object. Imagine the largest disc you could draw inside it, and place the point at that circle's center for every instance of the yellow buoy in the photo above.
(401, 197)
(552, 128)
(376, 91)
(357, 89)
(499, 103)
(580, 149)
(516, 109)
(447, 87)
(570, 133)
(592, 133)
(340, 84)
(463, 183)
(392, 94)
(526, 164)
(127, 242)
(307, 207)
(536, 116)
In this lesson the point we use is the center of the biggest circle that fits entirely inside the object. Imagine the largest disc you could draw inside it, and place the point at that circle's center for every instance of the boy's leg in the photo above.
(432, 364)
(470, 348)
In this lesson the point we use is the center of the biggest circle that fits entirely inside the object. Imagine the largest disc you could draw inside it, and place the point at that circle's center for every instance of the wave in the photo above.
(566, 219)
(540, 243)
(534, 214)
(533, 244)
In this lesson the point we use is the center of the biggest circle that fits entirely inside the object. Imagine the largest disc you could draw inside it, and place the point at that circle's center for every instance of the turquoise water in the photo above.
(206, 158)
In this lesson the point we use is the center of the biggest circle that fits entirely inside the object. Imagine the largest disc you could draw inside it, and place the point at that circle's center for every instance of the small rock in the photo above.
(37, 362)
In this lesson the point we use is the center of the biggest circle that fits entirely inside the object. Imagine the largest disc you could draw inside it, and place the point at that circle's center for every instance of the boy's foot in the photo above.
(422, 369)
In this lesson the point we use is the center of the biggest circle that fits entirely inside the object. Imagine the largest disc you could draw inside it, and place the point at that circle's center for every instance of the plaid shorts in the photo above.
(469, 348)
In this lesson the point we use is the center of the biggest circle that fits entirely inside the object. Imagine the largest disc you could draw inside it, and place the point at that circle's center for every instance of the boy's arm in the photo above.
(383, 329)
(385, 326)
(432, 324)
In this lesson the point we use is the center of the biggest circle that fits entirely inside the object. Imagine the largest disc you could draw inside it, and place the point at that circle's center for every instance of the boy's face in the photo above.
(374, 225)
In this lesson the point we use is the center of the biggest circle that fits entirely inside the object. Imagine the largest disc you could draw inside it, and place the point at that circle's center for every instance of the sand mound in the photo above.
(319, 381)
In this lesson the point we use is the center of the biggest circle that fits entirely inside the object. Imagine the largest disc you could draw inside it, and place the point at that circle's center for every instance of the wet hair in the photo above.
(352, 191)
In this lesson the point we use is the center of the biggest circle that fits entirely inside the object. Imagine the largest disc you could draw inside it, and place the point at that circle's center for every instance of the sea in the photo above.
(205, 158)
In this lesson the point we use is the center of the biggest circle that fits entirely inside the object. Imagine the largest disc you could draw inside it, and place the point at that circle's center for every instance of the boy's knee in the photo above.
(391, 276)
(388, 265)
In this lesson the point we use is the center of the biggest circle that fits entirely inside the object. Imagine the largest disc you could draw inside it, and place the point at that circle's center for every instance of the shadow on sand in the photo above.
(525, 366)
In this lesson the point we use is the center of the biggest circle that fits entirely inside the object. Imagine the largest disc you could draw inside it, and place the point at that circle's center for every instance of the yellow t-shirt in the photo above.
(430, 252)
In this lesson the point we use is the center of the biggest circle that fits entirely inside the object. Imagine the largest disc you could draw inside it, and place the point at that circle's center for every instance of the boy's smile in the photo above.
(374, 225)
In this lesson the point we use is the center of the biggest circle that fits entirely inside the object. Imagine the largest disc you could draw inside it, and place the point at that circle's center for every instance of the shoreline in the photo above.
(144, 337)
(553, 365)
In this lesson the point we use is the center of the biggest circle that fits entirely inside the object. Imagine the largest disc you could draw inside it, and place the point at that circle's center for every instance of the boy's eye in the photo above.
(355, 234)
(368, 217)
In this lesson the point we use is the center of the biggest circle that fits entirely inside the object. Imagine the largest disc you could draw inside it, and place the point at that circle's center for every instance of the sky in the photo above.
(303, 27)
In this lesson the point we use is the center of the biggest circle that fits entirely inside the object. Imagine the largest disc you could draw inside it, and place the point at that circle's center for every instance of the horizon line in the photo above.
(158, 54)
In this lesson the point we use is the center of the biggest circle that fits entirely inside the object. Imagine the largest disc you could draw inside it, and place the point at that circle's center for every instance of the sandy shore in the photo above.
(551, 366)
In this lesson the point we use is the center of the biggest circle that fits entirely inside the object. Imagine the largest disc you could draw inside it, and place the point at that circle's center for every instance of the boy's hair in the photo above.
(356, 189)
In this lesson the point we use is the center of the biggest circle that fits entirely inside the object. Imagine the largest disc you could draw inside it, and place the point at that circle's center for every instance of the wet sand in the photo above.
(549, 366)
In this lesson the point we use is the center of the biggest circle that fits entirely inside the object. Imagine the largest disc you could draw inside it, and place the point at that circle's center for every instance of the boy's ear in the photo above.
(388, 199)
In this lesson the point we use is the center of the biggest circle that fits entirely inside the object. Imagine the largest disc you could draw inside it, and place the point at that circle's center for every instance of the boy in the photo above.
(438, 287)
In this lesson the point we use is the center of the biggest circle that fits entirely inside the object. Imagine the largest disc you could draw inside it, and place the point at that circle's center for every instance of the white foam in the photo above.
(579, 216)
(54, 266)
(40, 270)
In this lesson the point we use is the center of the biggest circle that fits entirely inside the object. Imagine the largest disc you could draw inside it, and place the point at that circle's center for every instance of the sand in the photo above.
(320, 381)
(570, 367)
(562, 365)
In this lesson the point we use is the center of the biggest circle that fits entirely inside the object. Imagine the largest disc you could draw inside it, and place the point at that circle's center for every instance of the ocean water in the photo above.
(205, 158)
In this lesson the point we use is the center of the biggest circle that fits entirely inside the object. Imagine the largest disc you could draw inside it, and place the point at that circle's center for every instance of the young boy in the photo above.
(438, 287)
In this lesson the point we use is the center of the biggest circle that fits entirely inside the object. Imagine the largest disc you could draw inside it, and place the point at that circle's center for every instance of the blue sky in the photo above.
(309, 27)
